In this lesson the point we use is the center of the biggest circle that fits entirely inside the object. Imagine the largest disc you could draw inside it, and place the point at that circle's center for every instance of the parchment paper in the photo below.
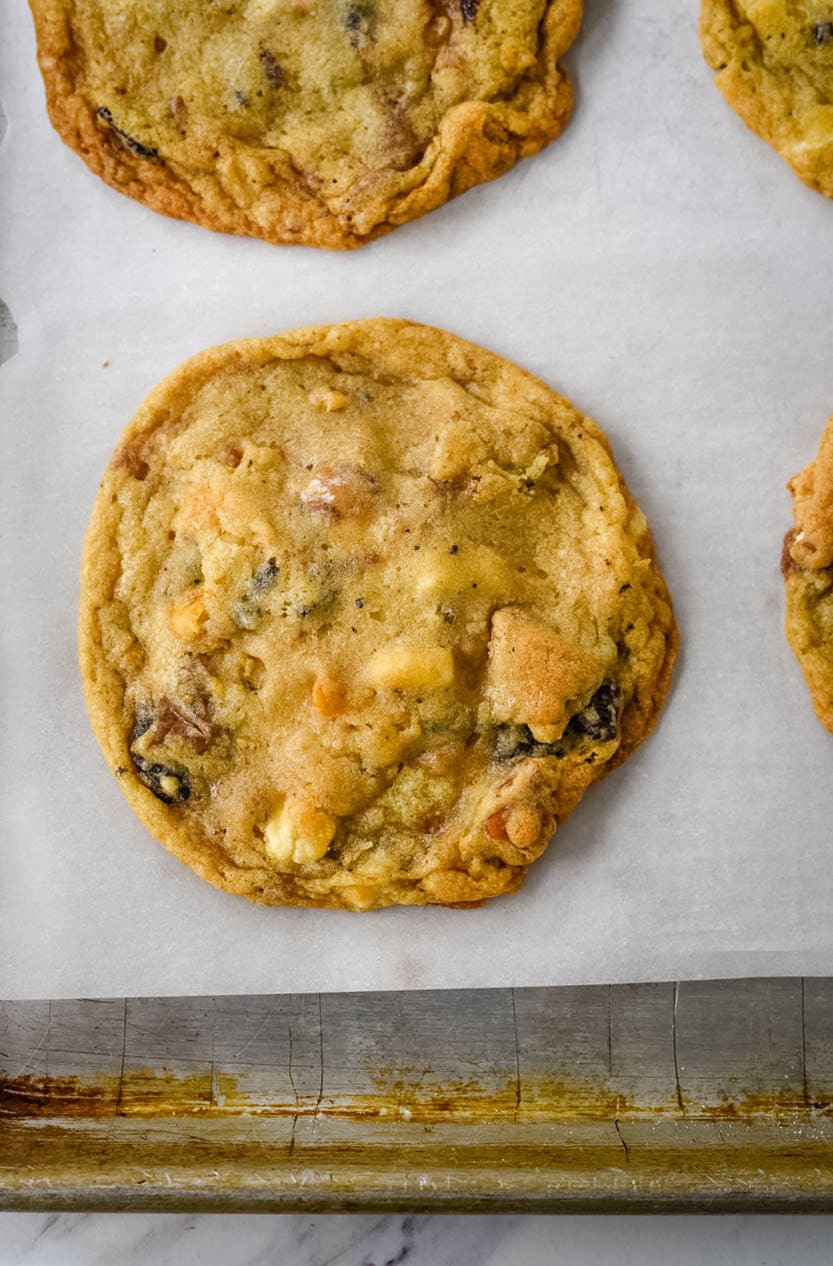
(660, 266)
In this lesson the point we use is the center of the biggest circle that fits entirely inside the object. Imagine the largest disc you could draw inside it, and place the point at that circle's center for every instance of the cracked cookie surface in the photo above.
(365, 610)
(325, 122)
(774, 63)
(807, 564)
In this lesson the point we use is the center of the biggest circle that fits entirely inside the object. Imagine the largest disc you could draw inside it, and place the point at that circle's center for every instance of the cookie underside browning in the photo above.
(774, 63)
(807, 564)
(365, 610)
(324, 122)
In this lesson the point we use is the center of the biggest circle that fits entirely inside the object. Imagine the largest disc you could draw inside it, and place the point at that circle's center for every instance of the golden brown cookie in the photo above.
(774, 61)
(365, 609)
(807, 564)
(326, 122)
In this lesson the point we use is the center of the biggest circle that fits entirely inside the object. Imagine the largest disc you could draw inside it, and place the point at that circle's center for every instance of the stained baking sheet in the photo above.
(709, 1096)
(660, 266)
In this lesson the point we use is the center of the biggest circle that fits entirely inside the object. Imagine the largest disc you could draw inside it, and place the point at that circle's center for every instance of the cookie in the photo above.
(326, 122)
(775, 67)
(365, 610)
(807, 564)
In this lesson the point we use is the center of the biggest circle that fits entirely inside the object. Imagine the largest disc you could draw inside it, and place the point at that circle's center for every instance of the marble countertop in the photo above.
(297, 1240)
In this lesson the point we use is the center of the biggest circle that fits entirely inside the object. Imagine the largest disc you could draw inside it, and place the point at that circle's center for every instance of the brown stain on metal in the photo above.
(240, 1152)
(132, 1134)
(150, 1093)
(401, 1094)
(28, 1096)
(747, 1105)
(144, 1093)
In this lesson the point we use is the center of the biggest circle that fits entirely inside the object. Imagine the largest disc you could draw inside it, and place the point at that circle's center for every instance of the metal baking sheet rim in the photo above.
(693, 1096)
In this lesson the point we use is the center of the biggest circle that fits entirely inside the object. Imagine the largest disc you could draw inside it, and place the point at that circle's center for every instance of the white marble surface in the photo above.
(156, 1240)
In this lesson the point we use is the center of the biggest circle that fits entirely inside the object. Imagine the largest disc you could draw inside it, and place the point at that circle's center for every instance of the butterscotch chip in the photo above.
(774, 63)
(807, 564)
(327, 675)
(325, 122)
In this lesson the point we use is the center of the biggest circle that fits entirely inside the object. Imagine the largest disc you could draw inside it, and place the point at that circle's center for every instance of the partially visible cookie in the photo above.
(807, 564)
(325, 122)
(365, 610)
(774, 61)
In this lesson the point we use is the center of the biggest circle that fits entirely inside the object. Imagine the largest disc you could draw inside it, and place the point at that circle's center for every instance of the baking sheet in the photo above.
(702, 1096)
(660, 266)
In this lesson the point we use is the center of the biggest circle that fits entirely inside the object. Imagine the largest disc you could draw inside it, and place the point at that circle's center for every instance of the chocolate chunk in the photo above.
(129, 142)
(272, 68)
(822, 32)
(513, 741)
(468, 8)
(169, 783)
(130, 458)
(788, 563)
(359, 22)
(265, 576)
(600, 719)
(145, 716)
(247, 613)
(192, 723)
(599, 722)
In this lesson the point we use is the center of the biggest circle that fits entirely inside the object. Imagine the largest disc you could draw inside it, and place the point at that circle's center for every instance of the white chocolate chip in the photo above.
(411, 668)
(298, 833)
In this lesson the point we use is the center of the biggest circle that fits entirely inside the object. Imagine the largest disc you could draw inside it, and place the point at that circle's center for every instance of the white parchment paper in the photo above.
(660, 266)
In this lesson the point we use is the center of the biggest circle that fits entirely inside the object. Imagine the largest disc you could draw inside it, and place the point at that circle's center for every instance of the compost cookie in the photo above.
(807, 563)
(775, 67)
(326, 122)
(365, 610)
